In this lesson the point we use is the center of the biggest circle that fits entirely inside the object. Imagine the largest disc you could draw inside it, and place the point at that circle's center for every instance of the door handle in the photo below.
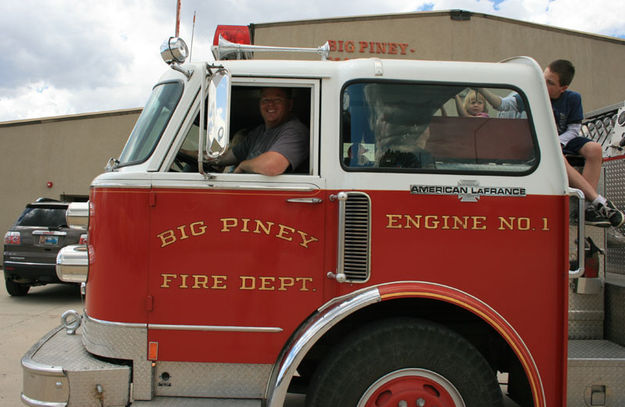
(305, 200)
(580, 233)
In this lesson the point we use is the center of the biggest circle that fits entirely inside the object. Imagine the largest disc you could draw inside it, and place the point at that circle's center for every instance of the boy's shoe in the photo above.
(610, 212)
(594, 218)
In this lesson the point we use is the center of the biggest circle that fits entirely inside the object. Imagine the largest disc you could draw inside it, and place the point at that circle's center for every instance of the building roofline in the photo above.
(78, 116)
(460, 15)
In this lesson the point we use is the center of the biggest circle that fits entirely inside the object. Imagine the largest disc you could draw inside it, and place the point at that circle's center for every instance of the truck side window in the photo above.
(244, 116)
(403, 127)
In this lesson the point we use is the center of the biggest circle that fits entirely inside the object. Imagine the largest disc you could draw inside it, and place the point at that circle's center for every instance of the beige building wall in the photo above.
(68, 151)
(460, 36)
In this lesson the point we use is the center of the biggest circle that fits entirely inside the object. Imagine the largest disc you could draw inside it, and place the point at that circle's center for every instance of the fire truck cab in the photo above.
(419, 257)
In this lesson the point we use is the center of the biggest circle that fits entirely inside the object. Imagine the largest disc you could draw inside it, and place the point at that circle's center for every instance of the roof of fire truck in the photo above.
(521, 72)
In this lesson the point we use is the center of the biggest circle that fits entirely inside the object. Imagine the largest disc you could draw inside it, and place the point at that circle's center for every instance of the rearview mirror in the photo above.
(218, 115)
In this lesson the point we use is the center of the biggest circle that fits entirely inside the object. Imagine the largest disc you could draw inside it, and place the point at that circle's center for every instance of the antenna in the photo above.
(177, 19)
(192, 32)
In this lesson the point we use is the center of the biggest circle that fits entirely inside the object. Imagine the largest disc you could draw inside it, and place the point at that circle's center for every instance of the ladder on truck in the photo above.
(596, 348)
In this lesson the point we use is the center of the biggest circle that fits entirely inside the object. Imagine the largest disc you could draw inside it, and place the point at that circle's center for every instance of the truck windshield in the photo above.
(151, 123)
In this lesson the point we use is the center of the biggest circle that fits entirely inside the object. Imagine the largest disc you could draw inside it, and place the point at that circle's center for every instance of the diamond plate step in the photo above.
(195, 402)
(58, 369)
(596, 373)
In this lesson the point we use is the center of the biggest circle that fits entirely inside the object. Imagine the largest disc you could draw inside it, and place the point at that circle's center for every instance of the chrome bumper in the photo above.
(59, 372)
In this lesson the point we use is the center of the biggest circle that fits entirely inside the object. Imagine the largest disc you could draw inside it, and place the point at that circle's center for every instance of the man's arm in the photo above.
(269, 163)
(227, 158)
(494, 100)
(460, 107)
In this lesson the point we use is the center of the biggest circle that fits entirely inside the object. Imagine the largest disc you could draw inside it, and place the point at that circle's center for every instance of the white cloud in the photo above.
(36, 99)
(74, 56)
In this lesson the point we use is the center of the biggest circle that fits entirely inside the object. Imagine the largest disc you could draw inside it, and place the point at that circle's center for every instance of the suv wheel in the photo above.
(16, 289)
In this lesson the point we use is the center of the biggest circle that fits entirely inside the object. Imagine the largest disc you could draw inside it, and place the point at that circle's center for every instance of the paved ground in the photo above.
(23, 321)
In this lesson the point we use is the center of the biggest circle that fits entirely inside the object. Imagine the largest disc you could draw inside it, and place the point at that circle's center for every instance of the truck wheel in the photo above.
(404, 362)
(16, 289)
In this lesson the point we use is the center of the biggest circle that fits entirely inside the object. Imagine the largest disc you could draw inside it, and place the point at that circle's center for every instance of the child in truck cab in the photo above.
(568, 115)
(473, 105)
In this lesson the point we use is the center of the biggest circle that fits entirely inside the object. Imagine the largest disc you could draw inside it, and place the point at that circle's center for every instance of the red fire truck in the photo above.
(421, 258)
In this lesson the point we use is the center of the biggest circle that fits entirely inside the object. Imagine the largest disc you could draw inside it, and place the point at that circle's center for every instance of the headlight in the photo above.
(72, 264)
(174, 50)
(77, 215)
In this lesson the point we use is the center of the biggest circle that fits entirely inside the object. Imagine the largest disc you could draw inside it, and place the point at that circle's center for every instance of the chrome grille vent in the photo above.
(357, 236)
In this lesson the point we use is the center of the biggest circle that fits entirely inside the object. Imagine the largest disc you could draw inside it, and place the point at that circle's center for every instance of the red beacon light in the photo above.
(231, 36)
(239, 34)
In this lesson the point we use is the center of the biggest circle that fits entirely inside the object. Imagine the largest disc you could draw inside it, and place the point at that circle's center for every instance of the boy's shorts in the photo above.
(576, 144)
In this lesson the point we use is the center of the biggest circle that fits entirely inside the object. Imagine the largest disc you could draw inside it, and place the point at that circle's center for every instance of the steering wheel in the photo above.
(189, 164)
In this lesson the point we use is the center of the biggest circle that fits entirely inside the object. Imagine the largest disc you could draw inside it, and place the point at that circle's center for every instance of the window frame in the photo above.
(314, 87)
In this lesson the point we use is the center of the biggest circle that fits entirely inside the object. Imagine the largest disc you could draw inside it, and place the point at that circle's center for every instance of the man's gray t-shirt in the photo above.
(290, 139)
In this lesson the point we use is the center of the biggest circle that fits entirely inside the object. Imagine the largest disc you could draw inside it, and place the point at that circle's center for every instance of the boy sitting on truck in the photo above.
(568, 115)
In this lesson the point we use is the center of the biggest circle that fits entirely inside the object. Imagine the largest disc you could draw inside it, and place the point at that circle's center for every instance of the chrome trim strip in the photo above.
(173, 183)
(125, 185)
(49, 233)
(120, 324)
(239, 186)
(27, 263)
(304, 339)
(175, 327)
(40, 368)
(36, 403)
(215, 328)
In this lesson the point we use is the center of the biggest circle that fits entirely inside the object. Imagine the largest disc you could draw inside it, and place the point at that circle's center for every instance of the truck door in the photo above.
(457, 201)
(236, 260)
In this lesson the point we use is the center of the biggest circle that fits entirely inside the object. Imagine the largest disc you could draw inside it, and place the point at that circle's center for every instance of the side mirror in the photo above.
(218, 116)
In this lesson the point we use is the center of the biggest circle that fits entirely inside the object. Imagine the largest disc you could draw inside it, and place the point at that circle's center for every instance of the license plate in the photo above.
(48, 240)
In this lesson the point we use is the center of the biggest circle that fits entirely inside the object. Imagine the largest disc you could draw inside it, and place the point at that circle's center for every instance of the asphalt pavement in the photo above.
(23, 321)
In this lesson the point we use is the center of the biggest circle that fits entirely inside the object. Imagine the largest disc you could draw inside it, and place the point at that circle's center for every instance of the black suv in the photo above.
(31, 245)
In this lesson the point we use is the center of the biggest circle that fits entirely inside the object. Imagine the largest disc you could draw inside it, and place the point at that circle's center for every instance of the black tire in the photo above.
(16, 289)
(404, 359)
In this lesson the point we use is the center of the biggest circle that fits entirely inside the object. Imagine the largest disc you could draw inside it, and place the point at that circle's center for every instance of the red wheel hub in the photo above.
(414, 388)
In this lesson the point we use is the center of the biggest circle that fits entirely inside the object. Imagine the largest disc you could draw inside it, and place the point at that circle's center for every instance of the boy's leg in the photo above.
(576, 180)
(593, 156)
(603, 214)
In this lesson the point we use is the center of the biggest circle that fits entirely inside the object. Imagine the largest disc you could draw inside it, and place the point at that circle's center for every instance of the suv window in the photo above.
(43, 216)
(417, 127)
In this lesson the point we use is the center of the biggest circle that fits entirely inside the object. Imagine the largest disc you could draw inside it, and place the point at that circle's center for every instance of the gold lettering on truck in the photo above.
(245, 283)
(238, 225)
(466, 222)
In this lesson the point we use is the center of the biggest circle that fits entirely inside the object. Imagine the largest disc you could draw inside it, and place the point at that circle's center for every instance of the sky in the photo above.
(62, 57)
